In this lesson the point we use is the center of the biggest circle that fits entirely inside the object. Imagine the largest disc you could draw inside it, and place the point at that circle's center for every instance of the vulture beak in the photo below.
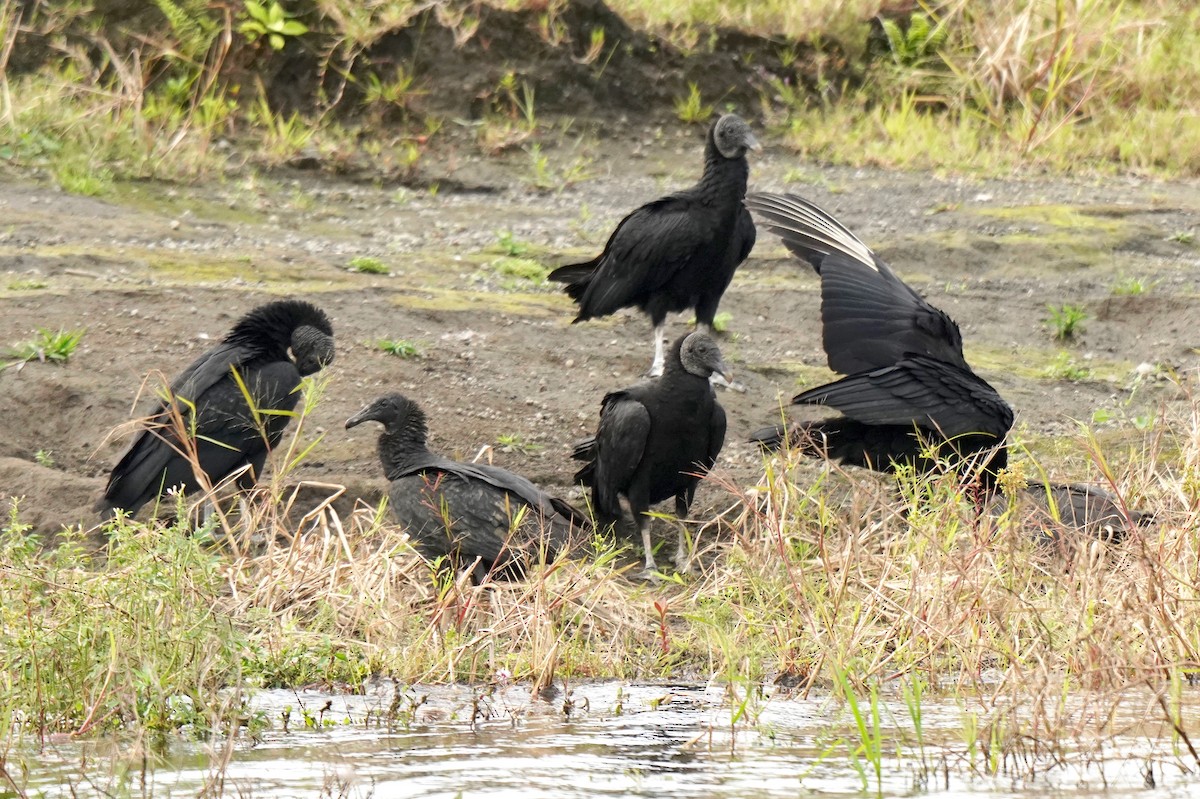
(752, 143)
(723, 370)
(365, 415)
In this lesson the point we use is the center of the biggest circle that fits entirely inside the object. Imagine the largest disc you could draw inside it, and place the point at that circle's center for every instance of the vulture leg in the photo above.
(660, 340)
(650, 568)
(683, 554)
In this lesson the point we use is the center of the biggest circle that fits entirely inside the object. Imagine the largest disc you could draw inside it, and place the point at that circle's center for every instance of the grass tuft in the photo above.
(47, 347)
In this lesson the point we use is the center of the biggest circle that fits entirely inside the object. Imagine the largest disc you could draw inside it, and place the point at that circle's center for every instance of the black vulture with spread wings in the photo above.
(656, 440)
(909, 396)
(470, 514)
(227, 410)
(679, 251)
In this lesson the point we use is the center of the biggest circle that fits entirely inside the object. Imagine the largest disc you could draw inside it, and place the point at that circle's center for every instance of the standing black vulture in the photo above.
(466, 512)
(205, 420)
(656, 440)
(909, 396)
(678, 252)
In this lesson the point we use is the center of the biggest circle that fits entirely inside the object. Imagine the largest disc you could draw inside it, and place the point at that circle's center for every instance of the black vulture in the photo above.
(909, 396)
(656, 440)
(206, 421)
(1059, 508)
(679, 251)
(467, 513)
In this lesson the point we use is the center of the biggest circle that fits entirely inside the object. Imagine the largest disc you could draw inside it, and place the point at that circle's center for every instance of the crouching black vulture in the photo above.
(467, 513)
(656, 440)
(205, 422)
(678, 252)
(909, 396)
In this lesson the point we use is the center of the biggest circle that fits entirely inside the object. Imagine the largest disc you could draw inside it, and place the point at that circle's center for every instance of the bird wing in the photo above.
(620, 444)
(807, 230)
(645, 251)
(921, 391)
(870, 317)
(716, 434)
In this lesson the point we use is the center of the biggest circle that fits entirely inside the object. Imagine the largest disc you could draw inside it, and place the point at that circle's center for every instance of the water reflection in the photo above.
(603, 739)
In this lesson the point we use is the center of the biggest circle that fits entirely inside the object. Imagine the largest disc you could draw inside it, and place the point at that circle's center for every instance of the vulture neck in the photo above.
(720, 173)
(402, 447)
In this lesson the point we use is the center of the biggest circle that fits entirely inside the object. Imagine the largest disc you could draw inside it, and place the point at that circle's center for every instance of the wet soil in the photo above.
(156, 273)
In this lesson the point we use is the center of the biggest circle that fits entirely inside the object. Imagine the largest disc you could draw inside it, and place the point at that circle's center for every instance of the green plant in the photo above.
(1064, 367)
(1066, 321)
(916, 45)
(1182, 237)
(401, 348)
(397, 93)
(47, 347)
(368, 265)
(510, 245)
(691, 109)
(1132, 286)
(270, 21)
(27, 284)
(44, 457)
(720, 321)
(522, 268)
(512, 442)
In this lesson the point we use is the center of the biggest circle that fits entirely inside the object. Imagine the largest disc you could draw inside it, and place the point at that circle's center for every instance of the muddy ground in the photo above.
(156, 273)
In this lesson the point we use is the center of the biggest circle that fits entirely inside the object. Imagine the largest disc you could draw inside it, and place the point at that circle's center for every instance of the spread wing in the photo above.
(870, 317)
(921, 391)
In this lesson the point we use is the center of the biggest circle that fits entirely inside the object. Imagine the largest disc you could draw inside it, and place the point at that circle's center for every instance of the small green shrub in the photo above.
(1066, 321)
(368, 265)
(691, 109)
(52, 347)
(401, 348)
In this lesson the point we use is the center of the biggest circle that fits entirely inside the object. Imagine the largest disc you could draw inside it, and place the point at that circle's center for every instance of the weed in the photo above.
(916, 45)
(544, 177)
(27, 284)
(1066, 321)
(512, 442)
(1064, 367)
(1182, 237)
(44, 457)
(395, 93)
(521, 268)
(369, 265)
(76, 176)
(401, 348)
(691, 109)
(509, 244)
(47, 347)
(1133, 286)
(268, 20)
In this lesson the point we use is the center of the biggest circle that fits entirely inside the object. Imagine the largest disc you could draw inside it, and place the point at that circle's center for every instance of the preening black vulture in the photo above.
(678, 252)
(909, 396)
(206, 417)
(466, 511)
(655, 441)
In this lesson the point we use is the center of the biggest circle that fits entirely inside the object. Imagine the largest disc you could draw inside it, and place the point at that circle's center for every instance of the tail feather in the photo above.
(770, 439)
(577, 277)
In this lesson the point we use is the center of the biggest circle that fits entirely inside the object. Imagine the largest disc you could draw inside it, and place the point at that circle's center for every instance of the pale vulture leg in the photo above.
(660, 340)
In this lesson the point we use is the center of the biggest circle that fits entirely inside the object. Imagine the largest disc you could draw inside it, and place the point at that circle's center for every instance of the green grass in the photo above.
(401, 348)
(368, 265)
(1066, 321)
(46, 347)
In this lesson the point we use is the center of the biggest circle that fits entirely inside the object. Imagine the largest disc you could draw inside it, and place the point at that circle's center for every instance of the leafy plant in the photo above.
(368, 265)
(271, 22)
(917, 44)
(1064, 367)
(691, 109)
(46, 347)
(510, 245)
(44, 457)
(28, 284)
(515, 443)
(1132, 286)
(522, 268)
(1066, 321)
(1182, 237)
(401, 348)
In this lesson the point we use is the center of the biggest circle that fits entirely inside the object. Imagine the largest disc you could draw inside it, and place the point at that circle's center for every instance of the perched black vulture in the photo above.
(678, 252)
(467, 513)
(909, 395)
(656, 440)
(206, 417)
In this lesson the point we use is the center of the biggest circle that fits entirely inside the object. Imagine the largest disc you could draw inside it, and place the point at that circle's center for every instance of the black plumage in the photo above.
(678, 252)
(205, 419)
(656, 440)
(909, 396)
(470, 514)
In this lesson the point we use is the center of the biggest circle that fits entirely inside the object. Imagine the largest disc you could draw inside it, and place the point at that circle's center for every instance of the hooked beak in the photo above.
(724, 371)
(752, 143)
(362, 416)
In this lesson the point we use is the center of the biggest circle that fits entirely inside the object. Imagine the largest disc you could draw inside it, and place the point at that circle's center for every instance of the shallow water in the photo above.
(600, 739)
